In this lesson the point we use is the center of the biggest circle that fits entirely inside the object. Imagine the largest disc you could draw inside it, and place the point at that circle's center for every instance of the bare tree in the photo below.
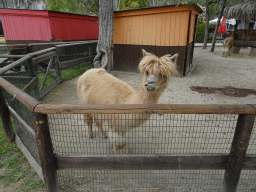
(104, 57)
(223, 4)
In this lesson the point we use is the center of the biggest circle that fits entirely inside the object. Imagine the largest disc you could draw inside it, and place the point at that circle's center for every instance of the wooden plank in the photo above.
(17, 80)
(147, 162)
(5, 116)
(238, 151)
(157, 10)
(44, 91)
(148, 109)
(45, 148)
(29, 157)
(76, 43)
(163, 29)
(241, 43)
(173, 29)
(11, 56)
(42, 51)
(31, 85)
(21, 96)
(44, 57)
(158, 29)
(15, 64)
(24, 126)
(66, 64)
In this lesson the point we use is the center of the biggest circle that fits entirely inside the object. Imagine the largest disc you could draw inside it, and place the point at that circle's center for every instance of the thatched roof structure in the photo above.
(241, 11)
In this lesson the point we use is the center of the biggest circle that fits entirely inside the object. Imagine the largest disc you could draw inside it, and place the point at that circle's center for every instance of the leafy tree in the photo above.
(132, 4)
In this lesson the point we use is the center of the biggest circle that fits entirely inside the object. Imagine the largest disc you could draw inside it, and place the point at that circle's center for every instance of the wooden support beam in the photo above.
(238, 151)
(21, 96)
(149, 162)
(147, 109)
(45, 148)
(5, 116)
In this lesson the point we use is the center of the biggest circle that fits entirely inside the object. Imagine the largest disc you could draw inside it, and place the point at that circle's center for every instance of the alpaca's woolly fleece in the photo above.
(96, 86)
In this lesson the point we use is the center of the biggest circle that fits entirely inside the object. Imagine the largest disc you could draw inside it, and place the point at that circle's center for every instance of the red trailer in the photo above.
(32, 26)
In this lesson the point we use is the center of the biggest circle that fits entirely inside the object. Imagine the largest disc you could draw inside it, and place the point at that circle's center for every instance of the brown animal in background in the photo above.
(227, 44)
(96, 86)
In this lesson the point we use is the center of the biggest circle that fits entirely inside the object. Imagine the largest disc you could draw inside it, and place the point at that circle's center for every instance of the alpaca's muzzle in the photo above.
(151, 83)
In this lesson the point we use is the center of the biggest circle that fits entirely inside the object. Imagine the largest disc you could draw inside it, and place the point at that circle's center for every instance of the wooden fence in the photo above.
(233, 163)
(69, 54)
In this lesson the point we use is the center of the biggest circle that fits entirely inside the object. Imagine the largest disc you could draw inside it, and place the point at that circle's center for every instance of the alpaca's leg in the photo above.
(99, 125)
(229, 51)
(119, 143)
(89, 120)
(224, 51)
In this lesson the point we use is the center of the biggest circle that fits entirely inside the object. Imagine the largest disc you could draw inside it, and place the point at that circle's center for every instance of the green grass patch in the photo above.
(74, 71)
(16, 170)
(3, 48)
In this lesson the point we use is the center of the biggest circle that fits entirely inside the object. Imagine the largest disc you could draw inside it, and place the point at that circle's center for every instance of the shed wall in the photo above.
(73, 27)
(26, 27)
(167, 29)
(161, 30)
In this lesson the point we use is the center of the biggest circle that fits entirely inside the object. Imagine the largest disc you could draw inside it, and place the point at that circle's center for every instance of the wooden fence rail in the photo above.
(233, 163)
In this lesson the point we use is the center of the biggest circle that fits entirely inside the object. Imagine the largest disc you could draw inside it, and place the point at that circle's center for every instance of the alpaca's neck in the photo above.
(146, 97)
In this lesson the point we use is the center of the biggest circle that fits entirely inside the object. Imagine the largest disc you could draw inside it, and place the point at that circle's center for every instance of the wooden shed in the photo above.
(33, 26)
(159, 30)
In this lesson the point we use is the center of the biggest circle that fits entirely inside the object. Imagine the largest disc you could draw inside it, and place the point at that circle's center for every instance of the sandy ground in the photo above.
(211, 70)
(163, 133)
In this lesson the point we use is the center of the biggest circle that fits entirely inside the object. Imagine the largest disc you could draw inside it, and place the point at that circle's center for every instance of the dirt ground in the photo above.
(189, 134)
(211, 70)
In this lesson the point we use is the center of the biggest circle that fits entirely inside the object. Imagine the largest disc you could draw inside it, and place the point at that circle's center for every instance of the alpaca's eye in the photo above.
(147, 72)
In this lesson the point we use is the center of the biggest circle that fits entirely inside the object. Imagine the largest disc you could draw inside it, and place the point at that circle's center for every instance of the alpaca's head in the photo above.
(157, 71)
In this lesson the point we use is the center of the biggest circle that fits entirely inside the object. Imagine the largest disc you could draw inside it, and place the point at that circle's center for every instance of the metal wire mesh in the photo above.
(27, 116)
(160, 134)
(141, 180)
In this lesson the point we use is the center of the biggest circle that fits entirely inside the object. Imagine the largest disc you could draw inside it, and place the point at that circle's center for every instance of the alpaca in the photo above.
(227, 44)
(96, 86)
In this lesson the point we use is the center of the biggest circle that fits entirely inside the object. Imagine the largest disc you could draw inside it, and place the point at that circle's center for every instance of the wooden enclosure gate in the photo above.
(49, 61)
(49, 162)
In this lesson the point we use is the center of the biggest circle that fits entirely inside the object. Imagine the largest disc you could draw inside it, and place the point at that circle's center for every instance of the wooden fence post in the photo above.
(238, 152)
(45, 148)
(5, 116)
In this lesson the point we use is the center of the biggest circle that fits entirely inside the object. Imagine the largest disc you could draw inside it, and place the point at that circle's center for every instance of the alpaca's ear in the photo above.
(144, 53)
(174, 58)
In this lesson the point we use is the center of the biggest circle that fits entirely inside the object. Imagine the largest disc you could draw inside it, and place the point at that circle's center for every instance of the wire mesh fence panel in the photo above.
(252, 143)
(19, 108)
(160, 134)
(248, 177)
(247, 181)
(26, 115)
(141, 180)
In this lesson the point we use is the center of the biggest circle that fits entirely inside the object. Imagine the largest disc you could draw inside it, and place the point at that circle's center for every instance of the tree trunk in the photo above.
(206, 35)
(104, 57)
(115, 5)
(218, 23)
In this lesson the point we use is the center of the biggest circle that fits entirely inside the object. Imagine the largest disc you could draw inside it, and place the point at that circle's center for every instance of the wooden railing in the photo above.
(233, 163)
(51, 55)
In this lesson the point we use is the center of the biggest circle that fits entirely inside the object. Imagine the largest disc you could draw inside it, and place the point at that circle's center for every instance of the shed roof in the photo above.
(241, 11)
(195, 6)
(40, 13)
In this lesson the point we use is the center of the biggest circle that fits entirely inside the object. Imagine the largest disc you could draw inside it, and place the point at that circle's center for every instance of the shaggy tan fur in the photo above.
(227, 44)
(96, 86)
